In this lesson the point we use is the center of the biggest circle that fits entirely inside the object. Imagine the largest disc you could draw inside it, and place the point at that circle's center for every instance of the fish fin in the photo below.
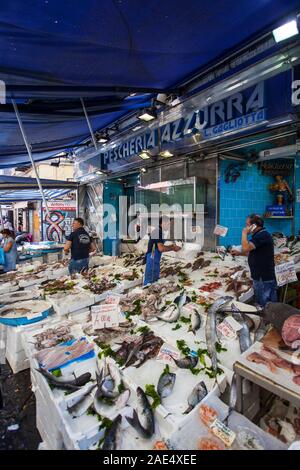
(134, 419)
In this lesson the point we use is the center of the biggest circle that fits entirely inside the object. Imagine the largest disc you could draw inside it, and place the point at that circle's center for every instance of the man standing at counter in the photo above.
(156, 246)
(260, 252)
(81, 245)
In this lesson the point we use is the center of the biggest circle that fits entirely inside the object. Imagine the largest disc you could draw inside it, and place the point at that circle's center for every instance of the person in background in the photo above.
(260, 252)
(81, 245)
(10, 250)
(156, 246)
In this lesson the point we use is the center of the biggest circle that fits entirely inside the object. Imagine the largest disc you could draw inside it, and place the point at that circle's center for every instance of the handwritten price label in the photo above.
(112, 299)
(285, 273)
(105, 316)
(223, 432)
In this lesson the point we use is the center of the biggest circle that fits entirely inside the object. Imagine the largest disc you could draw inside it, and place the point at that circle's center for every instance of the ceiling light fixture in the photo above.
(99, 172)
(166, 154)
(143, 170)
(144, 155)
(286, 31)
(147, 115)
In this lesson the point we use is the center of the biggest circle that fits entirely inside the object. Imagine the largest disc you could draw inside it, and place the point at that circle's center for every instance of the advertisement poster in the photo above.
(62, 214)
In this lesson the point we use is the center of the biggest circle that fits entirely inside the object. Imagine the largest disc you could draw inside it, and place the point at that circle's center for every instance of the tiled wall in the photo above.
(249, 194)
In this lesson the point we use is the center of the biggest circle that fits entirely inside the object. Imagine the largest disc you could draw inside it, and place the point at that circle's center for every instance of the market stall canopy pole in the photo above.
(89, 124)
(30, 156)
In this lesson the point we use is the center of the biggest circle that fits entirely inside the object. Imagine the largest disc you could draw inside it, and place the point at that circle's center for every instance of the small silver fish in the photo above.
(244, 332)
(195, 321)
(197, 395)
(83, 403)
(142, 422)
(170, 315)
(123, 399)
(186, 362)
(181, 300)
(166, 384)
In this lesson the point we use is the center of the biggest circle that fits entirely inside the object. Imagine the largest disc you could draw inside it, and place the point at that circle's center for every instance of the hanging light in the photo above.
(99, 172)
(166, 154)
(147, 115)
(144, 155)
(143, 170)
(286, 31)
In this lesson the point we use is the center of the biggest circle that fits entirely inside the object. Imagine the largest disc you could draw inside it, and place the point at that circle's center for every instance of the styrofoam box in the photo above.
(54, 441)
(71, 303)
(52, 258)
(14, 338)
(58, 273)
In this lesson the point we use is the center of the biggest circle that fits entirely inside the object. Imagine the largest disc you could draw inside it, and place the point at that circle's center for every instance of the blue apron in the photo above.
(11, 256)
(152, 271)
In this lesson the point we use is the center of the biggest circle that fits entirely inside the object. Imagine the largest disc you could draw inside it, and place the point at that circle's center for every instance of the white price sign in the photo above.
(285, 273)
(220, 231)
(105, 316)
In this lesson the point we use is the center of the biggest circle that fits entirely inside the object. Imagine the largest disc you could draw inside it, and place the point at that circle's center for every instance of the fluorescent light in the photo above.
(285, 31)
(136, 128)
(147, 115)
(144, 155)
(143, 170)
(99, 172)
(166, 154)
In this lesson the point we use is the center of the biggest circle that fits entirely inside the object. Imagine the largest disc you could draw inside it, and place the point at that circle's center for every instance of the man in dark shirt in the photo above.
(81, 245)
(156, 246)
(260, 252)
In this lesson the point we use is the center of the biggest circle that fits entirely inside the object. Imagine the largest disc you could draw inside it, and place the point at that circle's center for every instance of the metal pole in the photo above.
(89, 124)
(30, 156)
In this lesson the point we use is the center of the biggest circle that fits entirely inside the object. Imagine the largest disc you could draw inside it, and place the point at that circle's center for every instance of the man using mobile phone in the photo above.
(260, 252)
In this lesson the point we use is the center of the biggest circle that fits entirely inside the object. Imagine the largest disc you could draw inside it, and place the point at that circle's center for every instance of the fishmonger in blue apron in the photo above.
(155, 249)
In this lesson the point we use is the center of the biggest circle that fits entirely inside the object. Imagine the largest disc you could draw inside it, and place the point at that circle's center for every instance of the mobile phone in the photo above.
(252, 228)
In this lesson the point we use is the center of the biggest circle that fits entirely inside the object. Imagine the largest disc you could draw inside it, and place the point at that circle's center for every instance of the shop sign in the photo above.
(62, 214)
(238, 111)
(285, 273)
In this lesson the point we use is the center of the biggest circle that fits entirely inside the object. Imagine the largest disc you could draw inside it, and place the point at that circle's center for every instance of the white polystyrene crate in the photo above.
(18, 363)
(58, 273)
(52, 258)
(71, 303)
(54, 441)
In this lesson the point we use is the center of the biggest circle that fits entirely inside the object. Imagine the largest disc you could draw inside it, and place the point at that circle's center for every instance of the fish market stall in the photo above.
(115, 356)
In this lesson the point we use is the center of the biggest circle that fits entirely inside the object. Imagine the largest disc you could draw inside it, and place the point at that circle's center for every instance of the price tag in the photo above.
(223, 432)
(166, 353)
(220, 230)
(105, 316)
(285, 273)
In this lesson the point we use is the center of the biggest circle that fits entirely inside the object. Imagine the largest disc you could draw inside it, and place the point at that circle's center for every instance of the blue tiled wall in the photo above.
(249, 194)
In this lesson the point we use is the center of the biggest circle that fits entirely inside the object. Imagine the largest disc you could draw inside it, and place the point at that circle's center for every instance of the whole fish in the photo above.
(113, 435)
(59, 382)
(169, 317)
(83, 403)
(232, 398)
(197, 395)
(195, 322)
(244, 332)
(143, 421)
(166, 384)
(135, 349)
(211, 330)
(186, 362)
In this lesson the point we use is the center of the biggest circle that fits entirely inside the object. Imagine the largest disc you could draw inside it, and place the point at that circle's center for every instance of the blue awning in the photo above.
(15, 188)
(53, 52)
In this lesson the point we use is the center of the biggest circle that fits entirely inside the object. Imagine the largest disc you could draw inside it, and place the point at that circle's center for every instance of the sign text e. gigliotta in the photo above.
(238, 111)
